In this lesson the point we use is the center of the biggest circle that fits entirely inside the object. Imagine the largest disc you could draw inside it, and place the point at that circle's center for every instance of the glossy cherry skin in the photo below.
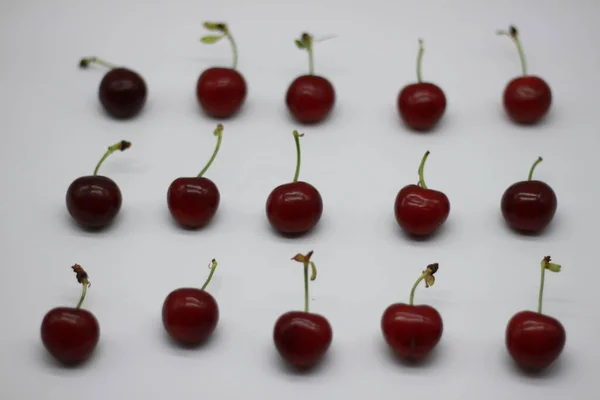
(302, 338)
(190, 315)
(122, 93)
(221, 92)
(70, 335)
(411, 331)
(529, 206)
(527, 99)
(294, 208)
(193, 201)
(419, 211)
(310, 98)
(534, 340)
(94, 201)
(421, 105)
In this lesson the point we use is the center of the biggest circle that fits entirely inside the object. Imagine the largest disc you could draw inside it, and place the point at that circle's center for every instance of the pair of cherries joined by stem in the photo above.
(95, 200)
(193, 201)
(70, 334)
(294, 208)
(122, 92)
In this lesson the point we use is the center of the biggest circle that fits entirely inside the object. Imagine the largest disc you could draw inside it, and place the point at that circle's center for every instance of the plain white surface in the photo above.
(53, 130)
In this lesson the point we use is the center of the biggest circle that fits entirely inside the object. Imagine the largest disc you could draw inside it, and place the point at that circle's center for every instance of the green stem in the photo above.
(514, 35)
(219, 134)
(311, 59)
(213, 266)
(412, 291)
(297, 137)
(539, 160)
(421, 168)
(233, 49)
(87, 61)
(84, 285)
(419, 59)
(122, 145)
(306, 294)
(541, 294)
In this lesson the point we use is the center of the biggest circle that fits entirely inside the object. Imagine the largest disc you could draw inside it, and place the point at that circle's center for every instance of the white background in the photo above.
(53, 130)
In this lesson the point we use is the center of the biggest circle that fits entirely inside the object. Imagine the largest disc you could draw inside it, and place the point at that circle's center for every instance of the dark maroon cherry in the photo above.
(191, 315)
(302, 338)
(527, 98)
(421, 105)
(122, 92)
(529, 206)
(534, 340)
(294, 208)
(412, 331)
(310, 98)
(193, 201)
(70, 334)
(221, 92)
(95, 200)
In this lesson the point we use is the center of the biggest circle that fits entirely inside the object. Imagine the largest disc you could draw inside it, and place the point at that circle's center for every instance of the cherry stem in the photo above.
(122, 145)
(219, 134)
(234, 49)
(311, 57)
(419, 59)
(85, 62)
(82, 278)
(297, 137)
(212, 266)
(546, 264)
(305, 259)
(421, 168)
(429, 280)
(513, 33)
(539, 160)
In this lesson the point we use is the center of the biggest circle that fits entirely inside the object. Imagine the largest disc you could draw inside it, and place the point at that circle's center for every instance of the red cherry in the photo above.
(221, 92)
(421, 105)
(303, 338)
(69, 334)
(193, 201)
(535, 340)
(412, 331)
(420, 211)
(527, 98)
(122, 92)
(529, 206)
(294, 208)
(94, 201)
(191, 315)
(310, 98)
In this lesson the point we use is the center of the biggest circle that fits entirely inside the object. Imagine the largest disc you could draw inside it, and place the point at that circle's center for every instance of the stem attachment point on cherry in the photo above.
(212, 266)
(513, 33)
(428, 276)
(297, 137)
(225, 33)
(85, 62)
(419, 60)
(122, 145)
(421, 182)
(546, 265)
(305, 259)
(83, 279)
(539, 160)
(218, 132)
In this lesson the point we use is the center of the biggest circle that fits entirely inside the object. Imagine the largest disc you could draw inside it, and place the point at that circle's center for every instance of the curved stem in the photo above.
(412, 291)
(429, 280)
(297, 137)
(233, 49)
(219, 134)
(305, 260)
(513, 33)
(84, 286)
(419, 59)
(541, 293)
(213, 266)
(539, 160)
(89, 60)
(421, 168)
(122, 145)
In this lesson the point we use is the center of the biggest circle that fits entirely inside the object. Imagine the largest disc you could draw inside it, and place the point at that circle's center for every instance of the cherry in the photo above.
(310, 98)
(302, 338)
(294, 208)
(535, 340)
(95, 200)
(420, 211)
(69, 334)
(412, 331)
(191, 315)
(122, 92)
(527, 98)
(193, 201)
(421, 105)
(221, 92)
(529, 206)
